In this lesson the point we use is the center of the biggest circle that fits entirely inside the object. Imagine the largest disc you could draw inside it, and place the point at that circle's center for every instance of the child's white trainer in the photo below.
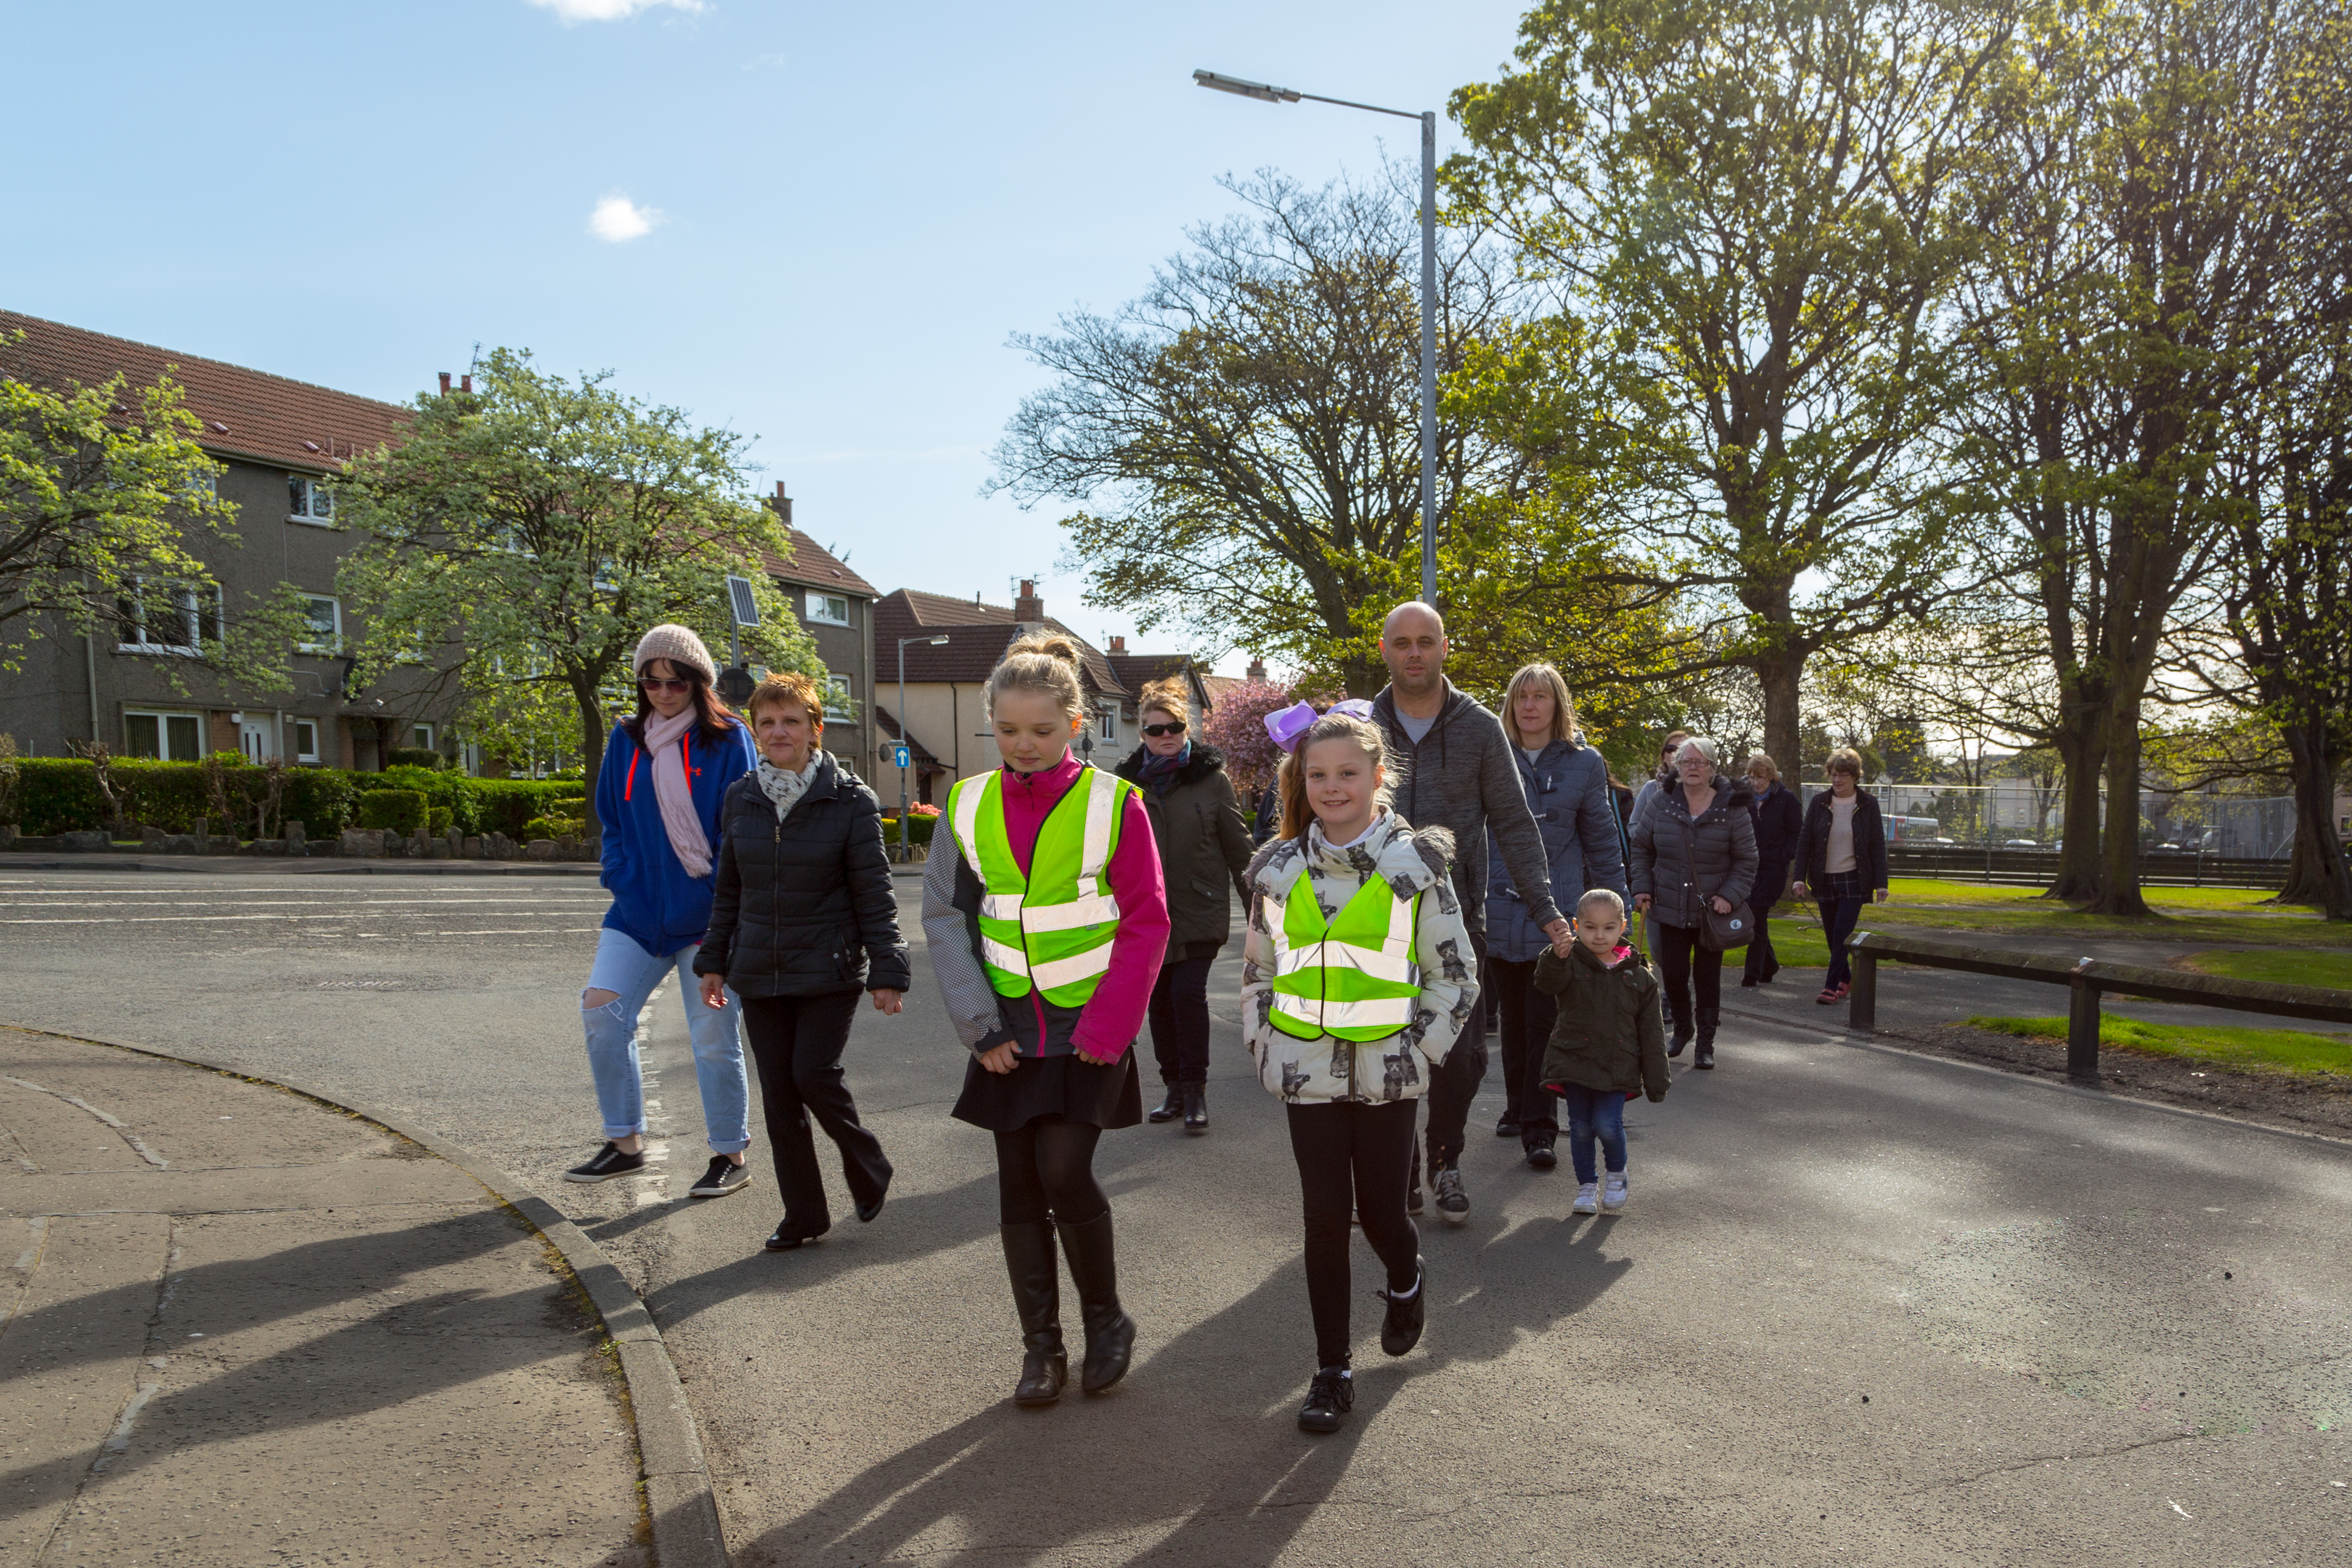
(1612, 1196)
(1588, 1198)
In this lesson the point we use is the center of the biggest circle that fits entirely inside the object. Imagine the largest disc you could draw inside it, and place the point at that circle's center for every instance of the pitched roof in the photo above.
(972, 653)
(245, 413)
(917, 751)
(1138, 671)
(816, 567)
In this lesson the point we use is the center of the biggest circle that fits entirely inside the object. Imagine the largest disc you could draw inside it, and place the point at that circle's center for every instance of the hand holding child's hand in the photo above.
(1563, 937)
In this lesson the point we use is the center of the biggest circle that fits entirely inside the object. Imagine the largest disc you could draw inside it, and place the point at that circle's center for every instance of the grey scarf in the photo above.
(784, 790)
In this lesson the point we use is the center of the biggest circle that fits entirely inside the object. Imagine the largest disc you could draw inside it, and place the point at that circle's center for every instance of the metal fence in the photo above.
(2023, 815)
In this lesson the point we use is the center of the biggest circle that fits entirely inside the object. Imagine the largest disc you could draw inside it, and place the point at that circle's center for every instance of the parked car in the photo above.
(2023, 844)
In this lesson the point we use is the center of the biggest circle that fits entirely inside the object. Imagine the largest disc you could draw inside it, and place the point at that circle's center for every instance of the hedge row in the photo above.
(60, 794)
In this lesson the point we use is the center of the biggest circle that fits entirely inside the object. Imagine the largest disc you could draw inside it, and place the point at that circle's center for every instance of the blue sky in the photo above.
(818, 222)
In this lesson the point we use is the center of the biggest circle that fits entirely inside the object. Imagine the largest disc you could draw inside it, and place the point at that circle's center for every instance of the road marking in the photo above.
(112, 1121)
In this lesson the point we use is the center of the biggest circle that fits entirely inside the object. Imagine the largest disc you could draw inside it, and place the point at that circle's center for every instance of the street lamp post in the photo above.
(907, 736)
(1428, 292)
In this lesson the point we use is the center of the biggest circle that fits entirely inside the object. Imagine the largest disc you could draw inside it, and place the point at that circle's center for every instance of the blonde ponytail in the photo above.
(1043, 662)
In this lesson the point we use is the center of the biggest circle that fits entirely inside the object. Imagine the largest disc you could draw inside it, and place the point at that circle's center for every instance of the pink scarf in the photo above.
(674, 794)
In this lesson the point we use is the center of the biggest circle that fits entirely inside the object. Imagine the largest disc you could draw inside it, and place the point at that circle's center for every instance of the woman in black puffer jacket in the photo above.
(1693, 845)
(804, 921)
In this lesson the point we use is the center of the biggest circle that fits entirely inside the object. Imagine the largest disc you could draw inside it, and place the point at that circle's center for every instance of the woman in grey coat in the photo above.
(1694, 846)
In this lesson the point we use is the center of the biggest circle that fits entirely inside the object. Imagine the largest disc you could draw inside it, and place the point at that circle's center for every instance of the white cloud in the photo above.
(573, 11)
(618, 220)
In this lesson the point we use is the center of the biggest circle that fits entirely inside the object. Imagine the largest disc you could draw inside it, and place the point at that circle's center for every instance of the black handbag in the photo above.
(1724, 932)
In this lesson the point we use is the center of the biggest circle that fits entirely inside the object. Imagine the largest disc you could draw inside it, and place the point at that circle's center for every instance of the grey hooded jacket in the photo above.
(1462, 778)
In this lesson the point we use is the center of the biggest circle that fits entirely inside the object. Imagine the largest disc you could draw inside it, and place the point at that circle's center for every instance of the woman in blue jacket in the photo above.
(666, 771)
(1566, 785)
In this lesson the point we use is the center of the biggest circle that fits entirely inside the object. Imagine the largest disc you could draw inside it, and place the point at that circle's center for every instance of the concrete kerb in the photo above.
(1849, 1037)
(679, 1500)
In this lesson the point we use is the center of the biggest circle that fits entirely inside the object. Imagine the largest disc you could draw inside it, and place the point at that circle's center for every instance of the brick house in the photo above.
(279, 442)
(836, 608)
(1138, 671)
(946, 702)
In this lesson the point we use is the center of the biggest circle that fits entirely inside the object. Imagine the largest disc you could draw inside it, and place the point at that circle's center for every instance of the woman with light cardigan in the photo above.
(665, 771)
(1047, 1003)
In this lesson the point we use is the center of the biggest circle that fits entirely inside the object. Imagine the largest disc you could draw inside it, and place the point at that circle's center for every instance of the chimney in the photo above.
(1027, 607)
(1257, 668)
(783, 504)
(1118, 644)
(445, 383)
(465, 381)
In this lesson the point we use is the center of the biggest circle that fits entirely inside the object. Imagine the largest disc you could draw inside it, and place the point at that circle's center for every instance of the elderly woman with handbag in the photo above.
(1694, 866)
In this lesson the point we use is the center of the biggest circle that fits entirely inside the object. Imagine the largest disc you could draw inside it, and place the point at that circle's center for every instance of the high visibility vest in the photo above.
(1353, 979)
(1052, 927)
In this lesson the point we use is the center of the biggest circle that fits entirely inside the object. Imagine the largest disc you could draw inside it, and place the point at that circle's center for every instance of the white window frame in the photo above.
(420, 736)
(815, 603)
(191, 606)
(308, 753)
(163, 717)
(334, 643)
(1109, 727)
(305, 497)
(840, 699)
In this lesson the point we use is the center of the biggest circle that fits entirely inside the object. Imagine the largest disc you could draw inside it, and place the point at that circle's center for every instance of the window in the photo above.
(840, 703)
(167, 737)
(306, 741)
(421, 737)
(832, 609)
(325, 614)
(1110, 723)
(308, 500)
(156, 619)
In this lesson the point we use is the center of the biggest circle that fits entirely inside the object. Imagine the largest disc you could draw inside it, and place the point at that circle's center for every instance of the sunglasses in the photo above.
(656, 683)
(1156, 731)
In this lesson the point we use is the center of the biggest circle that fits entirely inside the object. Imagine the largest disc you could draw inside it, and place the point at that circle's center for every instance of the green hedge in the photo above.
(60, 794)
(400, 810)
(414, 757)
(918, 829)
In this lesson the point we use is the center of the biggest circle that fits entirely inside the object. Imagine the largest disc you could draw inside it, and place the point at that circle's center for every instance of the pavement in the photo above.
(1863, 1307)
(242, 1327)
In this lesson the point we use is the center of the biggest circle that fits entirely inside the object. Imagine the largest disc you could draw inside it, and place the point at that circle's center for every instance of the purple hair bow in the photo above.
(1283, 728)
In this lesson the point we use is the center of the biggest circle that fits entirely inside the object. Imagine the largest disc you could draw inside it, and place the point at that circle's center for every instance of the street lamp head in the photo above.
(938, 642)
(1234, 84)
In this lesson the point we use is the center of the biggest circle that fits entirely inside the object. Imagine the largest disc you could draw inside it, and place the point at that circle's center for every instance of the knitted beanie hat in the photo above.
(680, 646)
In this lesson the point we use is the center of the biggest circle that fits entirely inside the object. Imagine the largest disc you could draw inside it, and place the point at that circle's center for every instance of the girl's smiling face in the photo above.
(1342, 784)
(1033, 733)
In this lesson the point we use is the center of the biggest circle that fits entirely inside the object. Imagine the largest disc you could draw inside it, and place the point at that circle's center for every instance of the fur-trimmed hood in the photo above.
(1205, 759)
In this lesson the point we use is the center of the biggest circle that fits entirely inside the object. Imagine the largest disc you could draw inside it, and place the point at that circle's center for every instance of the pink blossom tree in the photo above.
(1237, 728)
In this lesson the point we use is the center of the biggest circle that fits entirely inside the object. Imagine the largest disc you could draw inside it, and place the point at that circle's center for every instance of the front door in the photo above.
(253, 738)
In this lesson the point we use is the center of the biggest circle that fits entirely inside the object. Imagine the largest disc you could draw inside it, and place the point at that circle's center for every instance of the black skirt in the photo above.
(1069, 1087)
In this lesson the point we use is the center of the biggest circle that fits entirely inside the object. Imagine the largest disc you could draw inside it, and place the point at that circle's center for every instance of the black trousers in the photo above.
(1453, 1084)
(1683, 964)
(1761, 960)
(1180, 1021)
(1528, 1015)
(1353, 1158)
(796, 1042)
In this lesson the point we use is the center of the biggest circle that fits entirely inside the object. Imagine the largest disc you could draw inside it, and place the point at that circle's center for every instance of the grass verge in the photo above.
(2286, 1049)
(2308, 968)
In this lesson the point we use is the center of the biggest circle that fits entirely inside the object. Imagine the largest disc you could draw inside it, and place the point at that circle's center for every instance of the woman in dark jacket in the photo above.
(804, 921)
(1778, 820)
(1842, 862)
(1205, 847)
(1694, 847)
(1567, 786)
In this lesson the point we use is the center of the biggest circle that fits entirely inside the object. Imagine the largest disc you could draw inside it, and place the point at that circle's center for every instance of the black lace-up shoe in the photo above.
(724, 1176)
(1400, 1324)
(608, 1164)
(1329, 1399)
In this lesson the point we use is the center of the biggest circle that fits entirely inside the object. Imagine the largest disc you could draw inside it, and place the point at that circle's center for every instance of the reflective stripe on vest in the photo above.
(1354, 979)
(1055, 925)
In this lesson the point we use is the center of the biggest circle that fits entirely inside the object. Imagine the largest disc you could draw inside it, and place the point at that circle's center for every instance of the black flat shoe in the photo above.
(608, 1164)
(1400, 1323)
(1329, 1399)
(1749, 980)
(1509, 1127)
(865, 1212)
(1170, 1109)
(782, 1240)
(1196, 1109)
(1542, 1156)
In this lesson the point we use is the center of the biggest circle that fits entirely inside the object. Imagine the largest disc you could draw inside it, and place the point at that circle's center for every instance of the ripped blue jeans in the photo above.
(631, 972)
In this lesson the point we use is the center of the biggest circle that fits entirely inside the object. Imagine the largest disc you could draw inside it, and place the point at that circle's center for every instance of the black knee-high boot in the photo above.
(1708, 1018)
(1678, 1011)
(1037, 1277)
(1110, 1332)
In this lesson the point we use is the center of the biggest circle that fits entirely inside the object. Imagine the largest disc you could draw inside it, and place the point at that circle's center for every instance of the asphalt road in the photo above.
(1861, 1307)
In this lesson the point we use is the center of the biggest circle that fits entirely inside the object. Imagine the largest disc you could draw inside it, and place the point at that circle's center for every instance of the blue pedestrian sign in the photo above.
(899, 757)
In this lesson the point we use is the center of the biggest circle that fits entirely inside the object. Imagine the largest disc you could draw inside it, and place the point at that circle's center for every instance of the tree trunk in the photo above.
(2081, 753)
(1782, 679)
(2317, 873)
(592, 748)
(2119, 892)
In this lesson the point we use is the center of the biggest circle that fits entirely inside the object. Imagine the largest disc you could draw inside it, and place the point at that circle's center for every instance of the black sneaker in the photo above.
(1412, 1201)
(724, 1176)
(1329, 1399)
(1400, 1324)
(1509, 1127)
(1540, 1155)
(1453, 1203)
(608, 1164)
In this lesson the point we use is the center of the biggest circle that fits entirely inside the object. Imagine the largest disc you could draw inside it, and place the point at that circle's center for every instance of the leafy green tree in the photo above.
(104, 498)
(1753, 210)
(527, 533)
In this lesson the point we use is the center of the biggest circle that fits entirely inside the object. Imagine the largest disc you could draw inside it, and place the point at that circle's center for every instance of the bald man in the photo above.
(1459, 775)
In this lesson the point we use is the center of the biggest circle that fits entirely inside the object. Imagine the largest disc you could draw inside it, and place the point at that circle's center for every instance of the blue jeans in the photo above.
(628, 970)
(1595, 1114)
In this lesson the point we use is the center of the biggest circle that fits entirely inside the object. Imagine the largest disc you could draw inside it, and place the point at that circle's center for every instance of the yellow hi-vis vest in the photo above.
(1354, 979)
(1053, 927)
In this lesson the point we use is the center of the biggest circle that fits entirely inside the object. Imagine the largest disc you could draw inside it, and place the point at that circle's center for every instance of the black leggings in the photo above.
(1681, 961)
(1180, 1022)
(1353, 1156)
(1047, 1170)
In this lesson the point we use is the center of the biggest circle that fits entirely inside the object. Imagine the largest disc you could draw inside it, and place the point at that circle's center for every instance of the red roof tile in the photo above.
(246, 413)
(969, 654)
(815, 566)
